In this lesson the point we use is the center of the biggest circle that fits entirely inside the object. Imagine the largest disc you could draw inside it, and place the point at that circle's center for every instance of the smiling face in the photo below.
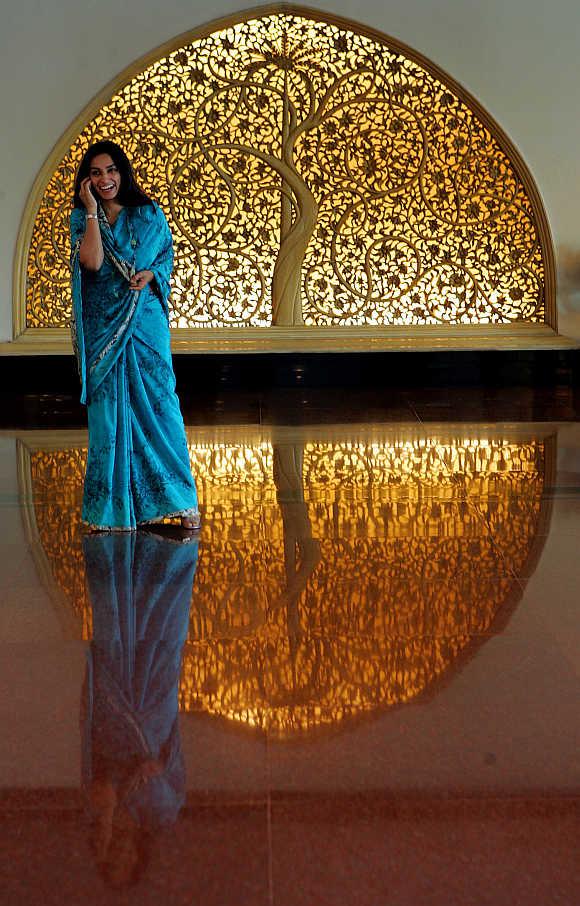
(105, 177)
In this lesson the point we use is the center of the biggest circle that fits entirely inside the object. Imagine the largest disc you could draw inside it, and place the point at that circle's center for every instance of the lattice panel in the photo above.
(311, 174)
(352, 582)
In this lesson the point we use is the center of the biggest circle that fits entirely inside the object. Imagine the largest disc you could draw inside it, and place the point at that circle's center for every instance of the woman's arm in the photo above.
(91, 249)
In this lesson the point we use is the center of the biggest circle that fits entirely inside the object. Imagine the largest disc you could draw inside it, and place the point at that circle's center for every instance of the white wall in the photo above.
(520, 58)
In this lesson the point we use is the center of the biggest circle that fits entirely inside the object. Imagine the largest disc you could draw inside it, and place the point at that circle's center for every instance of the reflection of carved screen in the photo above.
(312, 174)
(352, 581)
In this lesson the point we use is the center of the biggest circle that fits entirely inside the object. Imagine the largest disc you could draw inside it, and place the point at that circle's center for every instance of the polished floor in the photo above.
(358, 685)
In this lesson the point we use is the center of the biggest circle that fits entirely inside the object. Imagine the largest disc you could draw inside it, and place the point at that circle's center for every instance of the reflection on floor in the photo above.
(357, 685)
(341, 574)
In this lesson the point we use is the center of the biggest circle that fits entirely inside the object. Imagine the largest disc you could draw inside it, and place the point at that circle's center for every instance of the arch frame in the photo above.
(515, 335)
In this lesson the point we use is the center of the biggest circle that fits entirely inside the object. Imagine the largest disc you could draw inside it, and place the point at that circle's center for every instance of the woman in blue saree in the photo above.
(138, 467)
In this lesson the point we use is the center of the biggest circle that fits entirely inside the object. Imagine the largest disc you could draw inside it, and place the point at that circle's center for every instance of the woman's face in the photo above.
(105, 178)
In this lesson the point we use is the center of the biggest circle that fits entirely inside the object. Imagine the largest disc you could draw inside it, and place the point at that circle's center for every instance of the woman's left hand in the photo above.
(141, 279)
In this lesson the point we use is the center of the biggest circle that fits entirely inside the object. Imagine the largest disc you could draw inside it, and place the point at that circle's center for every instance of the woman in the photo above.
(138, 465)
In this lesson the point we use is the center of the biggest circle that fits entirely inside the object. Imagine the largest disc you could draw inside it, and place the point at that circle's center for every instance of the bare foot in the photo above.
(192, 523)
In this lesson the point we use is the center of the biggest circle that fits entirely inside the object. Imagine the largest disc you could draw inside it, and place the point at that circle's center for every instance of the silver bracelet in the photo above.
(92, 216)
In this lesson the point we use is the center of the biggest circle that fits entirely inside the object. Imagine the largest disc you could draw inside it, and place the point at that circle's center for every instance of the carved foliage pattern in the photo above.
(310, 174)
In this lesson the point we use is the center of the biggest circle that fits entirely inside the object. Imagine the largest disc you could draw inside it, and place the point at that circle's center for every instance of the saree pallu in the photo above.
(138, 467)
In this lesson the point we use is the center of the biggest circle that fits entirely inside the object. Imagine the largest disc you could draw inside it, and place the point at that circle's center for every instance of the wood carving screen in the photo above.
(311, 175)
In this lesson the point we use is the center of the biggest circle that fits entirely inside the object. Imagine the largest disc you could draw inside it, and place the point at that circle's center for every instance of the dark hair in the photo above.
(129, 192)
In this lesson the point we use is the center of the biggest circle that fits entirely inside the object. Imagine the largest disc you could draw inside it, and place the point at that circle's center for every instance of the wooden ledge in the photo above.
(469, 337)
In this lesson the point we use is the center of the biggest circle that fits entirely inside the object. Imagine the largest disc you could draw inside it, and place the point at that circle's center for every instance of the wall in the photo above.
(518, 57)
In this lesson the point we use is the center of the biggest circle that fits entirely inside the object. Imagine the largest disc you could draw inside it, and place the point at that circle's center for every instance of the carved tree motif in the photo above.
(313, 174)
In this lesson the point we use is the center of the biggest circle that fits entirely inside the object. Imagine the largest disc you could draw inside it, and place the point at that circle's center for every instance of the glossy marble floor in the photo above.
(359, 685)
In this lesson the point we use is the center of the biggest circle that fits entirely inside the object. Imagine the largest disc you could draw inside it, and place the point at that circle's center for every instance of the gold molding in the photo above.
(244, 339)
(517, 336)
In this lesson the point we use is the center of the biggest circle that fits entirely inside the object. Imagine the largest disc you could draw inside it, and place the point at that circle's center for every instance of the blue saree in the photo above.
(138, 467)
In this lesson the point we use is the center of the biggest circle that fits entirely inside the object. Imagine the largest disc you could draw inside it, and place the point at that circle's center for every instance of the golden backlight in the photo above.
(312, 175)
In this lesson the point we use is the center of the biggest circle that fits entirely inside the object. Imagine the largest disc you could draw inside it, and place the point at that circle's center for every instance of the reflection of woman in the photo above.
(133, 773)
(138, 466)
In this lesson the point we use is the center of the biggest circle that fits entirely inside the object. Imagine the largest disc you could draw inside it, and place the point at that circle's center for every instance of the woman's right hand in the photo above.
(87, 197)
(91, 253)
